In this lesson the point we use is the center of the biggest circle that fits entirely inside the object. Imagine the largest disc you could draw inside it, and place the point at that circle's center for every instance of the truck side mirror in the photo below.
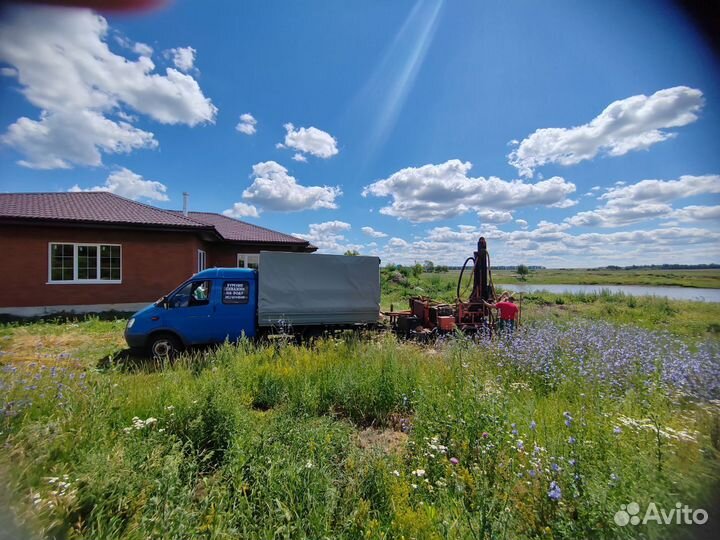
(165, 302)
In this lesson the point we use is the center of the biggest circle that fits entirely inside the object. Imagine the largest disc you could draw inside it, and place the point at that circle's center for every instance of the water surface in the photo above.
(673, 293)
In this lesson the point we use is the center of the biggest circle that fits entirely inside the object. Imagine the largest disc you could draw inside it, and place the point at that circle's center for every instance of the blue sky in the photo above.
(568, 133)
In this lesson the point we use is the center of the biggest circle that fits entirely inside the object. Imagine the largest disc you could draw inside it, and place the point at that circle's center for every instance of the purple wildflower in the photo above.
(454, 460)
(554, 493)
(533, 425)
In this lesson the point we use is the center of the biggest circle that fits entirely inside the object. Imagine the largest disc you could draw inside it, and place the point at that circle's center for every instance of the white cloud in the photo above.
(59, 140)
(567, 203)
(247, 124)
(369, 231)
(662, 190)
(142, 49)
(299, 157)
(618, 216)
(310, 140)
(551, 243)
(241, 210)
(442, 191)
(66, 69)
(183, 58)
(128, 184)
(630, 124)
(522, 223)
(396, 242)
(494, 216)
(648, 199)
(275, 190)
(8, 72)
(328, 236)
(696, 213)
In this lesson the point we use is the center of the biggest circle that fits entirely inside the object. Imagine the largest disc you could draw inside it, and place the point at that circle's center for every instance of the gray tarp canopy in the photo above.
(302, 289)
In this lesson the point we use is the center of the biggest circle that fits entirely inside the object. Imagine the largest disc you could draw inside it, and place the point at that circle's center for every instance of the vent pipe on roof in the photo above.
(186, 196)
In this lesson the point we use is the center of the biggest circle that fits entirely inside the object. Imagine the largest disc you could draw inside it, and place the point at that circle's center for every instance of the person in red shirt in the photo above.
(508, 313)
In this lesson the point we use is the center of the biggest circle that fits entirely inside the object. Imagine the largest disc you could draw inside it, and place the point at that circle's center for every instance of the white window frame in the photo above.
(75, 280)
(247, 258)
(201, 260)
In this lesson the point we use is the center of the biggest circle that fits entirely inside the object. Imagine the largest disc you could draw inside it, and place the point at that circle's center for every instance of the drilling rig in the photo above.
(469, 313)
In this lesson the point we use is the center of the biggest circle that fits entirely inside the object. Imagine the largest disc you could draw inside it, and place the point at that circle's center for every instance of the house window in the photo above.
(248, 260)
(202, 260)
(85, 263)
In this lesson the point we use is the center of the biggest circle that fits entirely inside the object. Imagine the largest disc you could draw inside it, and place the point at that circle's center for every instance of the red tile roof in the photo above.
(239, 231)
(106, 208)
(96, 207)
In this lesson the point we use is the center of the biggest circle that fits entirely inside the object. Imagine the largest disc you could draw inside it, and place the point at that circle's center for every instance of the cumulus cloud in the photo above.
(310, 140)
(662, 190)
(625, 204)
(59, 140)
(522, 223)
(434, 192)
(128, 184)
(369, 231)
(275, 190)
(247, 124)
(553, 243)
(66, 68)
(241, 210)
(696, 213)
(299, 157)
(329, 236)
(618, 216)
(396, 242)
(634, 123)
(183, 58)
(494, 216)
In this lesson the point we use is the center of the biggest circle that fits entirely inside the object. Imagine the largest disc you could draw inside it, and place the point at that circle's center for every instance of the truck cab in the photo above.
(210, 307)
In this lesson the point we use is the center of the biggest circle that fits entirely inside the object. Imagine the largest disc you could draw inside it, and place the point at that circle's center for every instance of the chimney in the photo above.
(186, 196)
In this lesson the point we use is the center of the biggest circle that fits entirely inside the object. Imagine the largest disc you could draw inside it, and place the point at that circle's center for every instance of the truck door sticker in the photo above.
(236, 292)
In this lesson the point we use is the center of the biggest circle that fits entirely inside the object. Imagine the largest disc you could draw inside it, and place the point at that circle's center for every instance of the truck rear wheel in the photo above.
(164, 347)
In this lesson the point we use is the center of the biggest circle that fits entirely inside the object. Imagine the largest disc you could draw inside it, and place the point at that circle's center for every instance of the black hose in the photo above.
(461, 275)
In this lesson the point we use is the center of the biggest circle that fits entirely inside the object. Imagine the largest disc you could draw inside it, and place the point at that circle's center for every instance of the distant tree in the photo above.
(428, 266)
(417, 269)
(440, 268)
(352, 253)
(522, 272)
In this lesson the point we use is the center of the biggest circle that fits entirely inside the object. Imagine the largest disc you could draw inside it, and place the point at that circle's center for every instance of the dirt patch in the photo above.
(386, 440)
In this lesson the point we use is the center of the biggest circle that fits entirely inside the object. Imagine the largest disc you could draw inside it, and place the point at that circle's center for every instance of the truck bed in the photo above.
(303, 289)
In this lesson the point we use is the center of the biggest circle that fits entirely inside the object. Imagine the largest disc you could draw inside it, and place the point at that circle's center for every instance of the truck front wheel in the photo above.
(164, 346)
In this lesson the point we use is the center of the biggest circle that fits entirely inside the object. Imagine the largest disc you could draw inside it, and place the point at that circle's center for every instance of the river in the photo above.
(673, 293)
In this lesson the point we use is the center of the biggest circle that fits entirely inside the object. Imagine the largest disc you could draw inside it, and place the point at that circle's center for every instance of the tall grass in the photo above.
(502, 439)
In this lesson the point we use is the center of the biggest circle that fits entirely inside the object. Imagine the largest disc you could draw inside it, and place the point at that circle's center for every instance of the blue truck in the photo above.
(296, 292)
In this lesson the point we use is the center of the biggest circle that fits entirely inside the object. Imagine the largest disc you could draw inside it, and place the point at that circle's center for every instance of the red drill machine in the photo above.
(469, 314)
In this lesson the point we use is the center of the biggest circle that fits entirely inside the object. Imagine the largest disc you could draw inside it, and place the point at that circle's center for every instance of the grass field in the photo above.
(667, 278)
(542, 436)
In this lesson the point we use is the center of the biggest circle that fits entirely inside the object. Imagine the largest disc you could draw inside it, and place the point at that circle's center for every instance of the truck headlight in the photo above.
(131, 322)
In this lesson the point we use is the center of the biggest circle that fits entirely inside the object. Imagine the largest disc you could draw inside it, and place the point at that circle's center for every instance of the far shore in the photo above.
(706, 279)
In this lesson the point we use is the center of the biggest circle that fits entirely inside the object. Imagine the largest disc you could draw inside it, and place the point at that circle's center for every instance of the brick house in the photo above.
(95, 251)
